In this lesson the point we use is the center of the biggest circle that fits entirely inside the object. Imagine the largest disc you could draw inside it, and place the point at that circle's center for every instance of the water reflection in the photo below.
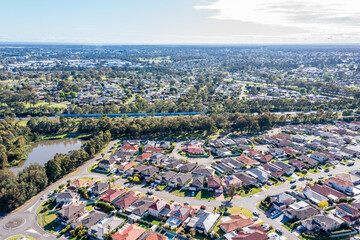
(42, 151)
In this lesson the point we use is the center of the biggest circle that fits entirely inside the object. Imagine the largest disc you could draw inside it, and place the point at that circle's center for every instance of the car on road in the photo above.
(327, 170)
(342, 163)
(254, 218)
(320, 177)
(255, 213)
(186, 203)
(278, 230)
(150, 192)
(293, 181)
(330, 174)
(293, 187)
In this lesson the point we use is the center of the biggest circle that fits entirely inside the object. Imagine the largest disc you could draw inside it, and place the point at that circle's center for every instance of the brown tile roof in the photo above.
(132, 232)
(237, 221)
(155, 236)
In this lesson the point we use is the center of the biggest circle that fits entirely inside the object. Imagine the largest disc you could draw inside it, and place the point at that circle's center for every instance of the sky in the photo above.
(180, 21)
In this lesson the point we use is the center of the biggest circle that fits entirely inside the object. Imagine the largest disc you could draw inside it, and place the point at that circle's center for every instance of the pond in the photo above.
(42, 151)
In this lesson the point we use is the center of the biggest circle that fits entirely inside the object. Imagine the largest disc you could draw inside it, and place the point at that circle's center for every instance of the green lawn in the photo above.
(89, 208)
(19, 237)
(92, 168)
(152, 220)
(250, 192)
(180, 193)
(204, 195)
(289, 178)
(313, 170)
(244, 211)
(162, 187)
(47, 216)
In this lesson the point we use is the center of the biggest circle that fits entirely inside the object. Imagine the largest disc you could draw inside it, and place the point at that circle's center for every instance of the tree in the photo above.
(323, 204)
(231, 192)
(192, 232)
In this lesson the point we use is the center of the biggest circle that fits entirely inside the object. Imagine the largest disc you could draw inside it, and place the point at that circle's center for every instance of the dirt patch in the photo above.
(14, 223)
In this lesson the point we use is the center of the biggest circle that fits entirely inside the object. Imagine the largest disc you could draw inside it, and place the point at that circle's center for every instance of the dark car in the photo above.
(293, 187)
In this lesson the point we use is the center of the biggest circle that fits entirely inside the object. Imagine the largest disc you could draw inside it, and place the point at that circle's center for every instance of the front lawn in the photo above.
(47, 216)
(180, 193)
(152, 220)
(245, 193)
(244, 211)
(89, 208)
(205, 195)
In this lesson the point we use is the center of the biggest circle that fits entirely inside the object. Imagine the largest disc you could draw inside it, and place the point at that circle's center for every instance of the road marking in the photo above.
(31, 230)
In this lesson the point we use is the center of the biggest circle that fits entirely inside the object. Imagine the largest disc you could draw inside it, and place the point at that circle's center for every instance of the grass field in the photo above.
(244, 211)
(19, 237)
(250, 192)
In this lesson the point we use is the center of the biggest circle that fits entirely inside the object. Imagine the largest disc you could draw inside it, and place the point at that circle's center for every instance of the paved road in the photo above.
(31, 228)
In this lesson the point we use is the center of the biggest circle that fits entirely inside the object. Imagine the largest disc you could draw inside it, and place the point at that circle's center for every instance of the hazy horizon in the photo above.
(180, 22)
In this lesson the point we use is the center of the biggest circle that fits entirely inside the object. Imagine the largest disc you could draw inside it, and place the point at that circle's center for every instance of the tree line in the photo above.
(15, 190)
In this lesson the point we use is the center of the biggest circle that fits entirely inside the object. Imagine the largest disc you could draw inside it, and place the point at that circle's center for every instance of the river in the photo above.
(42, 151)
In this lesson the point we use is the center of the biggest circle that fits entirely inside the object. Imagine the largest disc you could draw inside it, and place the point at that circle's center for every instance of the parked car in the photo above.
(321, 177)
(255, 213)
(278, 230)
(283, 179)
(327, 170)
(269, 183)
(293, 181)
(293, 187)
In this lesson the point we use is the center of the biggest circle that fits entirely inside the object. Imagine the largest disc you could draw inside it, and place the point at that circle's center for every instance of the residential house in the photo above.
(129, 232)
(327, 191)
(325, 222)
(132, 148)
(105, 226)
(158, 158)
(78, 183)
(232, 180)
(178, 215)
(273, 171)
(298, 164)
(263, 158)
(153, 150)
(203, 170)
(149, 172)
(253, 232)
(157, 207)
(180, 180)
(187, 167)
(214, 185)
(112, 194)
(341, 185)
(278, 153)
(125, 201)
(234, 164)
(122, 168)
(67, 198)
(203, 222)
(234, 222)
(319, 157)
(347, 213)
(144, 157)
(70, 213)
(248, 161)
(140, 206)
(89, 219)
(246, 179)
(154, 236)
(288, 169)
(195, 151)
(282, 200)
(259, 174)
(197, 183)
(98, 188)
(166, 177)
(106, 164)
(313, 196)
(221, 152)
(300, 213)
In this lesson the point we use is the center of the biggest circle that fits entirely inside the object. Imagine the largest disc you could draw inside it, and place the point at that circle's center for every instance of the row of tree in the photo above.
(15, 190)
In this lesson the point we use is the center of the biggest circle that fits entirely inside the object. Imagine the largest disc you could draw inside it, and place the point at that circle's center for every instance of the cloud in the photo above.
(317, 16)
